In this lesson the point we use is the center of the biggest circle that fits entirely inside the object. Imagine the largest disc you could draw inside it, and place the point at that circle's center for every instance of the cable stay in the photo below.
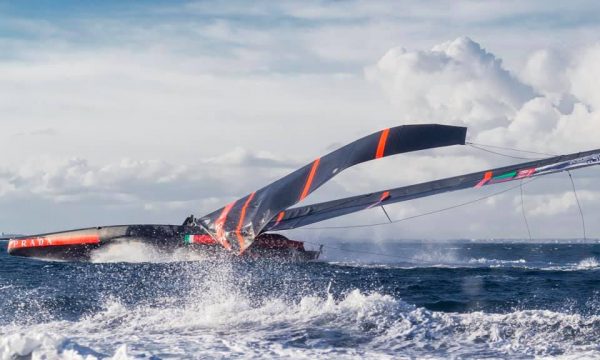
(386, 214)
(509, 148)
(523, 211)
(501, 154)
(578, 206)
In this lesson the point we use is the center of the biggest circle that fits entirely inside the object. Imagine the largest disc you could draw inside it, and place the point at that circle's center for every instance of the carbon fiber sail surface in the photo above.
(305, 215)
(238, 223)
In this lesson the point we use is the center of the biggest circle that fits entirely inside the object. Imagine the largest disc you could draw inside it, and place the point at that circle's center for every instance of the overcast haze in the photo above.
(144, 112)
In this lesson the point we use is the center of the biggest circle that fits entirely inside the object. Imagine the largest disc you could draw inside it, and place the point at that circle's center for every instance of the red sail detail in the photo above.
(384, 196)
(487, 177)
(62, 240)
(381, 145)
(238, 231)
(525, 173)
(219, 226)
(310, 179)
(202, 239)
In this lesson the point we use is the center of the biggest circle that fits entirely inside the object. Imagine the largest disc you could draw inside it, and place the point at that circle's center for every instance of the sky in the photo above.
(119, 112)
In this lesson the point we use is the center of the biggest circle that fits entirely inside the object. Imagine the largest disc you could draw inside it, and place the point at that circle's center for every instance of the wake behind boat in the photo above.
(245, 226)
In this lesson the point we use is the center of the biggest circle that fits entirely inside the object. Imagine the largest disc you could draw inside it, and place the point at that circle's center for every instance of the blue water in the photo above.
(434, 300)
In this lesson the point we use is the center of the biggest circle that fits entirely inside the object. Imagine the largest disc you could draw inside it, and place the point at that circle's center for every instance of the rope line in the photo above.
(509, 148)
(523, 210)
(501, 154)
(386, 214)
(421, 214)
(578, 206)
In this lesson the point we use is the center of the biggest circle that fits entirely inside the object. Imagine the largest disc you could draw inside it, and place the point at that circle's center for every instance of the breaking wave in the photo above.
(497, 262)
(357, 325)
(588, 263)
(456, 263)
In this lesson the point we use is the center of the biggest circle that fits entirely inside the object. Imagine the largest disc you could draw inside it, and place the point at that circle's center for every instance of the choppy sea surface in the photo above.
(425, 300)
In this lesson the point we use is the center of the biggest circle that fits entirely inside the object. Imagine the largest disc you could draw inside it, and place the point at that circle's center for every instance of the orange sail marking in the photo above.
(310, 179)
(238, 231)
(220, 224)
(382, 142)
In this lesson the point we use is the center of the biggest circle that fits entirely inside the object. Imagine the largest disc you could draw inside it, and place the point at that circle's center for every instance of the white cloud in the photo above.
(545, 70)
(455, 82)
(583, 74)
(552, 110)
(239, 156)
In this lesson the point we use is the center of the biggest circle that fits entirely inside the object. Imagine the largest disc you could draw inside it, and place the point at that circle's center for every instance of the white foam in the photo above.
(498, 262)
(439, 261)
(41, 345)
(222, 322)
(132, 251)
(436, 256)
(588, 263)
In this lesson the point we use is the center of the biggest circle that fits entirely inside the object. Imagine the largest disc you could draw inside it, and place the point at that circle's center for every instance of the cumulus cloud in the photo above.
(455, 82)
(545, 70)
(551, 106)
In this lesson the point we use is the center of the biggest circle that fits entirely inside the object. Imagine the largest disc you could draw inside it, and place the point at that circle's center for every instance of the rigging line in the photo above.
(509, 148)
(501, 154)
(419, 215)
(523, 210)
(578, 205)
(386, 213)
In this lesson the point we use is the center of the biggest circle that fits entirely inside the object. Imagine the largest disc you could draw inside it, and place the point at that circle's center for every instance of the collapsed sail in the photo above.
(238, 223)
(305, 215)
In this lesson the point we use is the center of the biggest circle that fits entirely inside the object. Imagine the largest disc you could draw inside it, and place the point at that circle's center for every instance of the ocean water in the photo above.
(425, 300)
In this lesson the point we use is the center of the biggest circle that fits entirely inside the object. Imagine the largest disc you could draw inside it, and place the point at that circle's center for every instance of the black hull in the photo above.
(79, 245)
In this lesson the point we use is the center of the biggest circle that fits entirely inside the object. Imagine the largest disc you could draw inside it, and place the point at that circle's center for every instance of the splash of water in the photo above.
(588, 263)
(135, 251)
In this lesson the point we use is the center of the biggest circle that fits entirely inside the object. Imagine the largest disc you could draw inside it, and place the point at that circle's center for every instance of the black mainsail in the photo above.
(237, 224)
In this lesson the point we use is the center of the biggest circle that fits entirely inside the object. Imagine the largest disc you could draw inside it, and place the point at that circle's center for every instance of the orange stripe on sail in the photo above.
(309, 181)
(280, 217)
(220, 226)
(487, 177)
(381, 145)
(238, 231)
